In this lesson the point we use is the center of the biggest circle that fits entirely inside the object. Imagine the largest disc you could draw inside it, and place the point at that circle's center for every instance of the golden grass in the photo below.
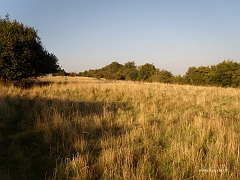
(99, 129)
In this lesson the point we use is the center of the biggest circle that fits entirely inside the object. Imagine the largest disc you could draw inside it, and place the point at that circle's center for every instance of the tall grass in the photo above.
(82, 128)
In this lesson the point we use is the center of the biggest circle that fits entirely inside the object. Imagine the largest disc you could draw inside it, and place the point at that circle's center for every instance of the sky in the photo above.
(172, 34)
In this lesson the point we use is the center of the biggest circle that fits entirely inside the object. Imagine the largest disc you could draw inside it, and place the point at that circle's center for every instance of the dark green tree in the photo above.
(132, 74)
(112, 71)
(236, 79)
(84, 74)
(225, 72)
(146, 72)
(190, 76)
(198, 76)
(22, 54)
(163, 76)
(61, 72)
(178, 79)
(129, 71)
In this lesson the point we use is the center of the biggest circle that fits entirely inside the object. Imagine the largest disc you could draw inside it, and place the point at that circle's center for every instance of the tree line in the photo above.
(129, 71)
(224, 74)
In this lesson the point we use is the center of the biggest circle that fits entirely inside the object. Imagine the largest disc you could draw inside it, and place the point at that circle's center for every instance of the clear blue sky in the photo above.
(171, 34)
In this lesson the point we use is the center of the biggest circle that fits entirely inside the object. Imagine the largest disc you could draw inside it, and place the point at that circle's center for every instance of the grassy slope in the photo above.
(82, 128)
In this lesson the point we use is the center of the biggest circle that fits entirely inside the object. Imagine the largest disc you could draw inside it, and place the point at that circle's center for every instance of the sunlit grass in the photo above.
(83, 128)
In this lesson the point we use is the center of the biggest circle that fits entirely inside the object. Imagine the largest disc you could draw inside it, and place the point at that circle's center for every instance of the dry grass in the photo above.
(82, 128)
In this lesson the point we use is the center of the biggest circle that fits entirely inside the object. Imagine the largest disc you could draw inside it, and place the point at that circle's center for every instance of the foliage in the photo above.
(163, 76)
(178, 79)
(236, 79)
(225, 74)
(114, 71)
(146, 72)
(73, 74)
(225, 71)
(22, 54)
(130, 71)
(61, 72)
(197, 76)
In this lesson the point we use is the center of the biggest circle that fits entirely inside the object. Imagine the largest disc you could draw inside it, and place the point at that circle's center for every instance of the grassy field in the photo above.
(82, 128)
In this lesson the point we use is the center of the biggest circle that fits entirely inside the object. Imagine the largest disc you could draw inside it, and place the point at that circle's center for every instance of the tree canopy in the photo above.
(224, 74)
(22, 54)
(146, 71)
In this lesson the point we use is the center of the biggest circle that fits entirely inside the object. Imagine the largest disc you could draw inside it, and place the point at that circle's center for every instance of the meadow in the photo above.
(84, 128)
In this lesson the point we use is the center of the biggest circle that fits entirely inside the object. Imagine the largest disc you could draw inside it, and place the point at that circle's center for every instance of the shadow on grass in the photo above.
(26, 83)
(24, 152)
(29, 83)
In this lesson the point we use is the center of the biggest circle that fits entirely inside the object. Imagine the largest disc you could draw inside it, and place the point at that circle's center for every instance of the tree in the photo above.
(236, 79)
(178, 79)
(166, 76)
(112, 71)
(146, 71)
(225, 74)
(129, 70)
(163, 76)
(225, 71)
(61, 72)
(199, 75)
(22, 54)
